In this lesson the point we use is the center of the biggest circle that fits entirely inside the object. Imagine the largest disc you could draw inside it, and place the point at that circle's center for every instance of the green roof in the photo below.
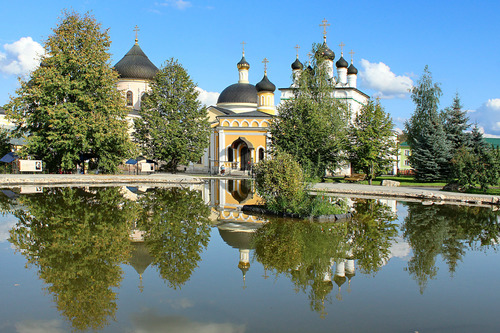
(495, 142)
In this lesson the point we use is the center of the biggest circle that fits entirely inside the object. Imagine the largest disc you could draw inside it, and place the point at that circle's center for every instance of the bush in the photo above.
(280, 182)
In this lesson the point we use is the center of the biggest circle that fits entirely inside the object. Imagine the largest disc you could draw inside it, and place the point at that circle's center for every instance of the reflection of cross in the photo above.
(265, 61)
(297, 47)
(136, 29)
(324, 25)
(352, 55)
(341, 48)
(243, 46)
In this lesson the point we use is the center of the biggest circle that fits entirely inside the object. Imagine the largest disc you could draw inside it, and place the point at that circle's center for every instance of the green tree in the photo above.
(430, 148)
(456, 124)
(312, 126)
(70, 106)
(372, 141)
(173, 126)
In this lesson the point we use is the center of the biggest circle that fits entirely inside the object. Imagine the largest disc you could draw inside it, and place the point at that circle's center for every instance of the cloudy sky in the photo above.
(392, 41)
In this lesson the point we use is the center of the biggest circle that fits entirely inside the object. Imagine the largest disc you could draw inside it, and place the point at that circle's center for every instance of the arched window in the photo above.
(230, 156)
(130, 98)
(261, 154)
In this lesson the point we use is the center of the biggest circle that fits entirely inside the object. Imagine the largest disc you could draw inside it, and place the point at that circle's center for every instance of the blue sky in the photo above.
(392, 41)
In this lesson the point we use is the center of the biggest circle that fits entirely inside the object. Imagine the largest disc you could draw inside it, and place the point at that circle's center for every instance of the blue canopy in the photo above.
(9, 157)
(131, 161)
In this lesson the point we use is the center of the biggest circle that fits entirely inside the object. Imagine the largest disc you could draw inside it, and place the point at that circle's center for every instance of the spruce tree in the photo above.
(430, 148)
(312, 127)
(173, 126)
(69, 107)
(372, 145)
(456, 124)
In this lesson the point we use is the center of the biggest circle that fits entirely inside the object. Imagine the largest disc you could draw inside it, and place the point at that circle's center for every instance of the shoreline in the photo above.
(432, 196)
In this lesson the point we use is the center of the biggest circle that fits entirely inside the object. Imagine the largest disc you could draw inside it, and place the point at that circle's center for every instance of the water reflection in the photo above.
(72, 236)
(79, 238)
(449, 231)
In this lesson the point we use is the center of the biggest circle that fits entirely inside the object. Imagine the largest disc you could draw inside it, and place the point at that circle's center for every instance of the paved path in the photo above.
(434, 195)
(425, 194)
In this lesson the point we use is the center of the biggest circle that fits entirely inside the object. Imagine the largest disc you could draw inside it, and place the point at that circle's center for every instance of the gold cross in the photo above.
(341, 48)
(136, 29)
(297, 47)
(243, 46)
(265, 61)
(324, 25)
(352, 55)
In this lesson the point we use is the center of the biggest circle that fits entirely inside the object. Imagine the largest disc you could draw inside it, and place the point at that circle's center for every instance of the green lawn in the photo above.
(404, 180)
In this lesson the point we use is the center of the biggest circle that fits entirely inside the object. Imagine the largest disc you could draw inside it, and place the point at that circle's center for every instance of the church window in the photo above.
(261, 154)
(130, 98)
(407, 152)
(407, 162)
(230, 156)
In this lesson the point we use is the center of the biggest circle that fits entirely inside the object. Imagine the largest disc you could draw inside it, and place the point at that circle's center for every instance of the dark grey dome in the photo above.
(265, 85)
(325, 52)
(239, 93)
(341, 63)
(243, 63)
(237, 239)
(136, 65)
(352, 70)
(297, 64)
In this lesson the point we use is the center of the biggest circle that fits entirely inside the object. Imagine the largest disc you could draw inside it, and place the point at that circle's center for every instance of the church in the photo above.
(241, 118)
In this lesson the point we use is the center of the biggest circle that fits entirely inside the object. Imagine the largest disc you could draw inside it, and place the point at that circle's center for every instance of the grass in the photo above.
(408, 181)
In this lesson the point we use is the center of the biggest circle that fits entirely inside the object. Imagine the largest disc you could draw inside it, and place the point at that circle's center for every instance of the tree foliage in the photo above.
(456, 124)
(312, 125)
(430, 149)
(173, 126)
(372, 145)
(69, 106)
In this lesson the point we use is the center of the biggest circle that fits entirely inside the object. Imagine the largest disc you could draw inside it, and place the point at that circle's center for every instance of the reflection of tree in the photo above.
(77, 240)
(303, 251)
(446, 230)
(306, 252)
(372, 233)
(177, 229)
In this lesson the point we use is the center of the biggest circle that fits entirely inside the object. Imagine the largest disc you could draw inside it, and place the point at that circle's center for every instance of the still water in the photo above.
(138, 259)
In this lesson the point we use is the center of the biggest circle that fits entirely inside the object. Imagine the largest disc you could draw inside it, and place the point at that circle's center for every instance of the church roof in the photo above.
(265, 85)
(136, 65)
(325, 52)
(239, 93)
(243, 63)
(341, 63)
(352, 70)
(297, 64)
(249, 114)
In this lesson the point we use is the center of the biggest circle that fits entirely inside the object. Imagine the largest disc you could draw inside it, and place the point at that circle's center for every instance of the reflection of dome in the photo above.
(136, 65)
(139, 257)
(237, 239)
(239, 93)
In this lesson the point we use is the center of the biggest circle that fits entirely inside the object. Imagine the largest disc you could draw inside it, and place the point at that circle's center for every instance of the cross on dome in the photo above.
(352, 55)
(243, 47)
(297, 47)
(341, 48)
(324, 25)
(136, 29)
(265, 61)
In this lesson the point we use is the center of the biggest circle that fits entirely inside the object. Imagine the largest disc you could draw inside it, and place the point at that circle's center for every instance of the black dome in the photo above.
(352, 70)
(341, 63)
(243, 63)
(325, 52)
(297, 64)
(265, 85)
(239, 93)
(136, 65)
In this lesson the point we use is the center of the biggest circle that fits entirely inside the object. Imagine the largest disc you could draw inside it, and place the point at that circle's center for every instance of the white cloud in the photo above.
(178, 4)
(39, 326)
(487, 116)
(378, 76)
(151, 322)
(400, 248)
(7, 222)
(20, 57)
(207, 97)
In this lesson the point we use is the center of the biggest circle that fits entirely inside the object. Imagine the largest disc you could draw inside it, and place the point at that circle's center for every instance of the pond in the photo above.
(172, 259)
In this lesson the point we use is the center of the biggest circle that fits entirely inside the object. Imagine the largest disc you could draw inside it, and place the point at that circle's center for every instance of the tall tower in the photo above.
(341, 65)
(325, 54)
(243, 67)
